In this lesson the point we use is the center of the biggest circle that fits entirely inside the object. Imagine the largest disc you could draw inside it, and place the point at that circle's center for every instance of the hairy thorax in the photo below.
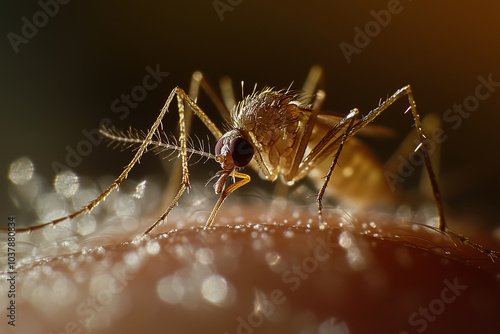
(272, 120)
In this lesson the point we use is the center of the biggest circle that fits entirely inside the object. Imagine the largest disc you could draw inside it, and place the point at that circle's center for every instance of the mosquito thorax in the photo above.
(233, 150)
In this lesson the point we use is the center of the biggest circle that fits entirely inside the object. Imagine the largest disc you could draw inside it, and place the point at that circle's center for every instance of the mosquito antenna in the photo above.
(134, 138)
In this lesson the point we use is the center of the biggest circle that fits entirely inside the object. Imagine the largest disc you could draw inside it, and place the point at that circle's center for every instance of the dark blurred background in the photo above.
(64, 79)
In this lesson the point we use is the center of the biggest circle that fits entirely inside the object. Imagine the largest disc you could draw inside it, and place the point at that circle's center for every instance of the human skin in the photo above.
(264, 272)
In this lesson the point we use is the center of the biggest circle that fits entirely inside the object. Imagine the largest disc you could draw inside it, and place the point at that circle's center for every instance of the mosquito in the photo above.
(277, 133)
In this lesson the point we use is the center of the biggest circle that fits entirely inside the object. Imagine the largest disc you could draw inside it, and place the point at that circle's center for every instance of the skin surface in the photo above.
(262, 273)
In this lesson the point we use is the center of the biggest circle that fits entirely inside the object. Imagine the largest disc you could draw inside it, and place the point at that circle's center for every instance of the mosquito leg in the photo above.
(244, 180)
(311, 84)
(226, 88)
(421, 137)
(175, 170)
(183, 98)
(318, 103)
(331, 141)
(142, 149)
(321, 193)
(199, 80)
(405, 149)
(323, 149)
(429, 123)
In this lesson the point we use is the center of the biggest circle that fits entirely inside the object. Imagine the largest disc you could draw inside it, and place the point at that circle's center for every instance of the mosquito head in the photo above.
(233, 150)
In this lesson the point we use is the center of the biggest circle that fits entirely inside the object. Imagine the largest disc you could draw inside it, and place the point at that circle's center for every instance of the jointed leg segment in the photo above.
(421, 136)
(182, 98)
(352, 115)
(336, 137)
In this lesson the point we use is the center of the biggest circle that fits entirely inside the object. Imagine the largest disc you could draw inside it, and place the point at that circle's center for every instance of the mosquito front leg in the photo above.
(182, 98)
(87, 209)
(198, 81)
(183, 152)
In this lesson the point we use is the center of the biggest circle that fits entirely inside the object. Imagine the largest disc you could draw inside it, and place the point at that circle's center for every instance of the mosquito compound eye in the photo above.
(218, 147)
(242, 151)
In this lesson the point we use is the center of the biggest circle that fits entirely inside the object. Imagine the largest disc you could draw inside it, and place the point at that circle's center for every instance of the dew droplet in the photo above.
(205, 255)
(214, 289)
(171, 289)
(66, 183)
(21, 171)
(153, 247)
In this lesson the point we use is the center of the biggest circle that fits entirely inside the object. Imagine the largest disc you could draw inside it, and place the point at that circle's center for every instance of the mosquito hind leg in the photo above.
(198, 82)
(422, 138)
(406, 148)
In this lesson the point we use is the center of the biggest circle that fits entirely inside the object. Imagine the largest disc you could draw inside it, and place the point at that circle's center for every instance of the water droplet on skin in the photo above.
(258, 245)
(84, 197)
(63, 291)
(205, 255)
(132, 261)
(214, 289)
(171, 289)
(21, 171)
(50, 206)
(40, 297)
(66, 184)
(272, 258)
(346, 240)
(355, 258)
(84, 225)
(125, 206)
(153, 247)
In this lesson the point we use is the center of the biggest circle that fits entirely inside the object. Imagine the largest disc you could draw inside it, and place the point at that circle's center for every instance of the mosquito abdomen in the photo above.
(358, 179)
